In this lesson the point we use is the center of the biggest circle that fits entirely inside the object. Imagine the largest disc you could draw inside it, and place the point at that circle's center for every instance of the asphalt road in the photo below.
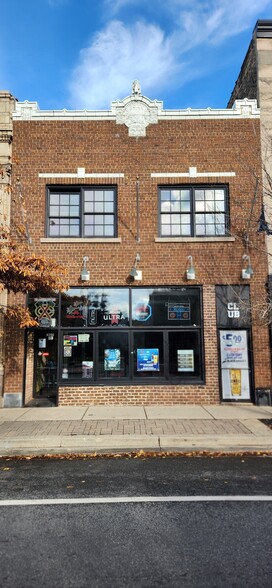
(193, 528)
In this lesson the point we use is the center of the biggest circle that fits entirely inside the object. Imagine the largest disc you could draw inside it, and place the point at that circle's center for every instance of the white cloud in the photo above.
(116, 57)
(214, 21)
(123, 51)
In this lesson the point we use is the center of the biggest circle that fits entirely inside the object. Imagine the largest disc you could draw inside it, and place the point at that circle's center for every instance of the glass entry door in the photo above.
(45, 364)
(235, 367)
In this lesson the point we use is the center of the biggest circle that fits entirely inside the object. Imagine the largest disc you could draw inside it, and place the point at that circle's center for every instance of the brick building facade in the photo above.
(159, 209)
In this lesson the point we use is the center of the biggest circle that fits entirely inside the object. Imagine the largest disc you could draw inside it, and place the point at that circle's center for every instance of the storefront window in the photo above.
(169, 307)
(77, 356)
(95, 307)
(126, 334)
(113, 355)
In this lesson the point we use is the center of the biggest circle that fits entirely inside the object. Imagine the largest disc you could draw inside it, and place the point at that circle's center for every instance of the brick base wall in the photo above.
(137, 395)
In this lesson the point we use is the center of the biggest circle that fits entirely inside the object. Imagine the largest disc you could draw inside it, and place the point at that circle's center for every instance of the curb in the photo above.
(130, 443)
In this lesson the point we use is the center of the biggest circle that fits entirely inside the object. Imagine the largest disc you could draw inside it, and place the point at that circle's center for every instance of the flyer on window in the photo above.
(70, 340)
(148, 360)
(112, 360)
(185, 360)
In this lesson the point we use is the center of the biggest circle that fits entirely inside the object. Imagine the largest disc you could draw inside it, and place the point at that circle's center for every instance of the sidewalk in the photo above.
(106, 429)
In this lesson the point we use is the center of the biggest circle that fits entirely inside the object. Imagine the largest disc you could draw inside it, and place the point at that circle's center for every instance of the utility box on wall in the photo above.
(263, 396)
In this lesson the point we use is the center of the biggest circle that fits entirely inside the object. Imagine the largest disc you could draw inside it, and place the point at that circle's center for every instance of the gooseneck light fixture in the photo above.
(190, 271)
(247, 272)
(85, 274)
(134, 273)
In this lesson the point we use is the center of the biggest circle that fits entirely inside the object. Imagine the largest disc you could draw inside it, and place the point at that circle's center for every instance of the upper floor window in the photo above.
(82, 212)
(193, 211)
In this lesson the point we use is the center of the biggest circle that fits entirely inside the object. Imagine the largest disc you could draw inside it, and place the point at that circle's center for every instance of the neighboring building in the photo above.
(155, 214)
(255, 82)
(7, 106)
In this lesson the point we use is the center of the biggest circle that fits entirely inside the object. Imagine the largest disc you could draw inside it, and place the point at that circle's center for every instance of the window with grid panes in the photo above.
(82, 212)
(193, 211)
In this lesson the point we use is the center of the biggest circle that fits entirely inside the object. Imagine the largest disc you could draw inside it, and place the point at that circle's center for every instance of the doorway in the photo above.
(45, 366)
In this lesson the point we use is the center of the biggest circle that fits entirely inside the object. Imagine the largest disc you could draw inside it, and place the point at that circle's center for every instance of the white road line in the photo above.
(134, 499)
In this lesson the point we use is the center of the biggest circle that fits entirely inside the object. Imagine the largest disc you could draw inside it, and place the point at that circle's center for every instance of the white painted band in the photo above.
(134, 499)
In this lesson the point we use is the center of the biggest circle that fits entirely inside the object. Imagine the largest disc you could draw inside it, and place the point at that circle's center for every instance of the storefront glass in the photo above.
(95, 307)
(169, 307)
(128, 334)
(77, 360)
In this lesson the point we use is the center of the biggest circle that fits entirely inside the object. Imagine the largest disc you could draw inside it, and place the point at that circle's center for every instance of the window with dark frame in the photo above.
(131, 334)
(85, 211)
(193, 211)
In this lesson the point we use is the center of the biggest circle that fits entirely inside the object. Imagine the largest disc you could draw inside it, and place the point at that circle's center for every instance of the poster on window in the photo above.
(83, 338)
(112, 360)
(70, 340)
(185, 360)
(234, 365)
(148, 360)
(67, 351)
(236, 382)
(233, 346)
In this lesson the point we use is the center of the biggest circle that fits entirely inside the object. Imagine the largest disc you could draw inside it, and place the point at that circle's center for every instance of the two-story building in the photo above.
(154, 213)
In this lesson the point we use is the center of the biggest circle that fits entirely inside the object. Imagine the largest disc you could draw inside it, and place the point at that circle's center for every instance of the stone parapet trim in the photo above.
(241, 109)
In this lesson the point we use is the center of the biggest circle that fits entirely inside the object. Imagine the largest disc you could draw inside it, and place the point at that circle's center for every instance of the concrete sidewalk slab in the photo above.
(239, 411)
(257, 428)
(56, 413)
(12, 414)
(114, 412)
(178, 411)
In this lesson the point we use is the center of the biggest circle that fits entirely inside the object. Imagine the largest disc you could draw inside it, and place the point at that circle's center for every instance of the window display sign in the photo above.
(76, 311)
(233, 306)
(233, 349)
(234, 365)
(142, 311)
(70, 340)
(148, 360)
(83, 337)
(236, 382)
(112, 360)
(179, 312)
(185, 360)
(45, 312)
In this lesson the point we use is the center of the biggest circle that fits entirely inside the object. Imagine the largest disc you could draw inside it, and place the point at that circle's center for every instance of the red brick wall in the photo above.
(170, 146)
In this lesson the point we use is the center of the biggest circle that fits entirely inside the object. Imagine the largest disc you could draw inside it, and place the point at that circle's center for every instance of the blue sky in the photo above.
(86, 53)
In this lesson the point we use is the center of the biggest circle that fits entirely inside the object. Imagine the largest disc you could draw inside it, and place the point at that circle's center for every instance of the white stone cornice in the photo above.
(137, 112)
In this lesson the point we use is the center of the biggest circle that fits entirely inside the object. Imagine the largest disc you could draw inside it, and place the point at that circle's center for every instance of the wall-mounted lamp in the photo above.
(134, 273)
(85, 274)
(190, 271)
(247, 272)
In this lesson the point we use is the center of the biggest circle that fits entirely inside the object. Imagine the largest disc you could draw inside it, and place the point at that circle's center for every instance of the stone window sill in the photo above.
(194, 239)
(80, 240)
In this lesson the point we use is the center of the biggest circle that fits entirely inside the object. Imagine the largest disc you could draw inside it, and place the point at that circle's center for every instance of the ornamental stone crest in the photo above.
(136, 111)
